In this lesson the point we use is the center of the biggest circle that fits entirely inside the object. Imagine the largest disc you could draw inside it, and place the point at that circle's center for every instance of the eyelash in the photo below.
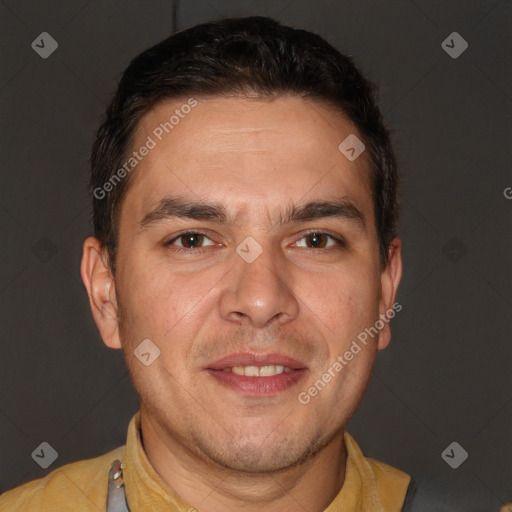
(339, 241)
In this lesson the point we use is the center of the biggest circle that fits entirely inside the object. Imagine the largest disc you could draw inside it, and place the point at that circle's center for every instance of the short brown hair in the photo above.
(244, 56)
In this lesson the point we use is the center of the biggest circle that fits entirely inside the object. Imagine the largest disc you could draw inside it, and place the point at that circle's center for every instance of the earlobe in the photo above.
(100, 285)
(390, 280)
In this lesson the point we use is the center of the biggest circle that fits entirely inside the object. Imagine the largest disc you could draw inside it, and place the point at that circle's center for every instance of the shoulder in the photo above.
(79, 486)
(426, 494)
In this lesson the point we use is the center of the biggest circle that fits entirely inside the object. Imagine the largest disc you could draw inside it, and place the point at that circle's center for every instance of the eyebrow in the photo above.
(173, 208)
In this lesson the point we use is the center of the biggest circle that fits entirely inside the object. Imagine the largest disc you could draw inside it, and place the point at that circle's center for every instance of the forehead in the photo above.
(246, 152)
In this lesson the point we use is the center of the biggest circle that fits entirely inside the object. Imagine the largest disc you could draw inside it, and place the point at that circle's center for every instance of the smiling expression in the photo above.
(248, 255)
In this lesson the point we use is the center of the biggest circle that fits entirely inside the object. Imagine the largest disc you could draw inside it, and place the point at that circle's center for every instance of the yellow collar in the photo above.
(370, 486)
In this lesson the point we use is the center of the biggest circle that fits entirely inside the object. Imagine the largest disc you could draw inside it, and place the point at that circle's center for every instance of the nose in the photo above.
(259, 293)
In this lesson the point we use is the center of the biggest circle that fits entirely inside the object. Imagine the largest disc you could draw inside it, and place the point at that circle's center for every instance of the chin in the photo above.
(262, 454)
(250, 459)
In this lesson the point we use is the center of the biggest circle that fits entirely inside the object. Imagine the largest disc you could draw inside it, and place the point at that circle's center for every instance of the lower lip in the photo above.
(258, 386)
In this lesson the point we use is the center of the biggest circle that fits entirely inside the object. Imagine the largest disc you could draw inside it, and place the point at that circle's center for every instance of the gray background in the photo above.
(446, 375)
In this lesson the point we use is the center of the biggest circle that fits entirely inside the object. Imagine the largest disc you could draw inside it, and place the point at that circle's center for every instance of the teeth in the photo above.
(268, 371)
(255, 371)
(252, 371)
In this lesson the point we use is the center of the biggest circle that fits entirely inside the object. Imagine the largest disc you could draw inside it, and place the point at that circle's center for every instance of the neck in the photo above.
(311, 485)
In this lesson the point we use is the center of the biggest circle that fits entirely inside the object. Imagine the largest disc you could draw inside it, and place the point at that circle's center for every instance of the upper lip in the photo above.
(247, 359)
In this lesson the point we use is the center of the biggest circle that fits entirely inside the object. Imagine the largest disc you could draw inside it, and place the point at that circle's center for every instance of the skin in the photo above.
(220, 450)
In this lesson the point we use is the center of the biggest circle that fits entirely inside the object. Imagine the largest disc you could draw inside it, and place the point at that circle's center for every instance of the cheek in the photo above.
(166, 307)
(344, 302)
(147, 301)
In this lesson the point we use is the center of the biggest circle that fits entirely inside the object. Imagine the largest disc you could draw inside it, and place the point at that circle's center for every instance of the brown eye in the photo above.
(320, 239)
(191, 240)
(188, 241)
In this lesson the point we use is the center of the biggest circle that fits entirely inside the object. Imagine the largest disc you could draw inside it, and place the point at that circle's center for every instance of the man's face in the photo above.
(193, 287)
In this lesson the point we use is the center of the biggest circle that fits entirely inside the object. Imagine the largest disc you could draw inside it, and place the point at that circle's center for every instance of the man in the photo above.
(246, 261)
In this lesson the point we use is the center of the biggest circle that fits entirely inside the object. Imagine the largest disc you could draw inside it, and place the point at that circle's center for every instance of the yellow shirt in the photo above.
(370, 486)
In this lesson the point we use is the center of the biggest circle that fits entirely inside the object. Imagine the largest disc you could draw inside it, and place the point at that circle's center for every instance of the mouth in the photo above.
(257, 374)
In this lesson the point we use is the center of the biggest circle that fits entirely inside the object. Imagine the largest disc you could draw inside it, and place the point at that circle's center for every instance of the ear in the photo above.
(100, 285)
(389, 281)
